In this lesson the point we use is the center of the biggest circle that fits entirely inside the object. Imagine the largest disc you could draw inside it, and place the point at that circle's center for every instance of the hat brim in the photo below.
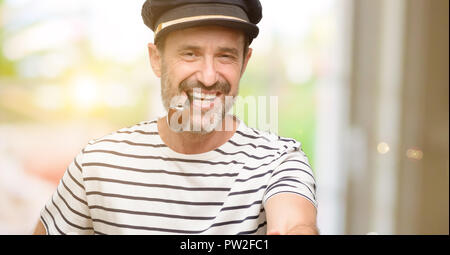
(249, 29)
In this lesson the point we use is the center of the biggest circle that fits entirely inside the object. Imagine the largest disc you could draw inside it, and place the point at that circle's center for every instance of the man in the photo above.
(198, 170)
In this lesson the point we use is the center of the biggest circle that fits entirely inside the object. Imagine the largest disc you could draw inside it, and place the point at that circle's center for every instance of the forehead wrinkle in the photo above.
(224, 38)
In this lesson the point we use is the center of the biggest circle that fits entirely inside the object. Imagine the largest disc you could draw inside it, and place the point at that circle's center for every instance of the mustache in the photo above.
(221, 86)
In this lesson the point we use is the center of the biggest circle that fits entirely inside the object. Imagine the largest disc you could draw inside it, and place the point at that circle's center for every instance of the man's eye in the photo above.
(227, 57)
(188, 54)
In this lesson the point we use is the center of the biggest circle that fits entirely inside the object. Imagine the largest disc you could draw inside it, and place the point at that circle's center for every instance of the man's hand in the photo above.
(290, 214)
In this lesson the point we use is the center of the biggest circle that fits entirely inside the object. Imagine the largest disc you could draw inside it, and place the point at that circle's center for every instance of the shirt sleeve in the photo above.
(293, 175)
(67, 211)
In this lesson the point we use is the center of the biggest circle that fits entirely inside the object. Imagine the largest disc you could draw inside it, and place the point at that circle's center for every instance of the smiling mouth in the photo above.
(203, 96)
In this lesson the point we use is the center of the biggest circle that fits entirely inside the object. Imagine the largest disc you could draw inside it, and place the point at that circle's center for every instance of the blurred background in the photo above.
(362, 84)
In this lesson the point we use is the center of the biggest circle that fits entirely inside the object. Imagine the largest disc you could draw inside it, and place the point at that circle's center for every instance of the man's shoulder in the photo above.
(268, 139)
(139, 134)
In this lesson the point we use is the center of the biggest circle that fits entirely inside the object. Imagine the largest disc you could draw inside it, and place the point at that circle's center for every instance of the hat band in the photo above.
(196, 18)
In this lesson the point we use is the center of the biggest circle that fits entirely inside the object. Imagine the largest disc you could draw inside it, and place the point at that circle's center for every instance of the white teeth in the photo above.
(203, 96)
(209, 96)
(197, 95)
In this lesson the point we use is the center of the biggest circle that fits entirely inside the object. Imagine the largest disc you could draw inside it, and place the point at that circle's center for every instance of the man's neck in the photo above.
(194, 143)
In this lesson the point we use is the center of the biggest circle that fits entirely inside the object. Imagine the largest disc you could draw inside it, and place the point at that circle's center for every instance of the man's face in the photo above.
(205, 63)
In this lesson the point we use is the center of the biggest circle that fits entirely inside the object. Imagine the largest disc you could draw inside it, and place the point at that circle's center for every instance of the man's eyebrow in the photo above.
(233, 51)
(229, 50)
(188, 47)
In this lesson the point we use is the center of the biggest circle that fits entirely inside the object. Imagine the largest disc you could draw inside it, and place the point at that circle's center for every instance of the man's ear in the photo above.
(155, 59)
(246, 59)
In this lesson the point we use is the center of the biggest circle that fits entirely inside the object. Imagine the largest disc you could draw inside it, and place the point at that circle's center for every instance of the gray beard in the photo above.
(167, 95)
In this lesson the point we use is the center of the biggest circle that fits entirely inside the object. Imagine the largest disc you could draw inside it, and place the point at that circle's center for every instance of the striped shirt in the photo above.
(130, 182)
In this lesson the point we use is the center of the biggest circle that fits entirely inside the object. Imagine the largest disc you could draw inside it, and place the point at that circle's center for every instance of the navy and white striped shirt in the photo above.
(130, 182)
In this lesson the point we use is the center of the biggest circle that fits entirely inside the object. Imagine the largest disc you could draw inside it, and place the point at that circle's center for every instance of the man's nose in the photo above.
(208, 74)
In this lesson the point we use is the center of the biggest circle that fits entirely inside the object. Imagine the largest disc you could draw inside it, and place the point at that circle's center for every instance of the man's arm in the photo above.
(290, 214)
(40, 229)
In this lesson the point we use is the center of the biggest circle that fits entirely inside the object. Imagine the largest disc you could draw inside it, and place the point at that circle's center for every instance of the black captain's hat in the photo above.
(164, 16)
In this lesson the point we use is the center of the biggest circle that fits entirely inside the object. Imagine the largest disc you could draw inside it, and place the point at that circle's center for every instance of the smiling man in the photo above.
(198, 170)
